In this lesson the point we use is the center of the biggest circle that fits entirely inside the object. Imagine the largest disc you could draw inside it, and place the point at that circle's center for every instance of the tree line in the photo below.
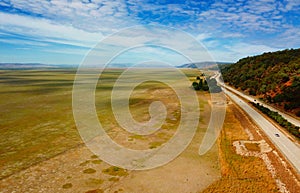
(279, 119)
(209, 84)
(273, 77)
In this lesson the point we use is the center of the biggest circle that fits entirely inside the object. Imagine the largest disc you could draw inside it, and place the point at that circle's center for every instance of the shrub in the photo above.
(279, 119)
(89, 171)
(67, 185)
(195, 86)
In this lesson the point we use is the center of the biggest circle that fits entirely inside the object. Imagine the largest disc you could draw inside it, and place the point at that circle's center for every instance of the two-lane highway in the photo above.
(252, 99)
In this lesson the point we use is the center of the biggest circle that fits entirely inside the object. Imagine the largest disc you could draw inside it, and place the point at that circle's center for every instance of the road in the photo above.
(252, 99)
(288, 148)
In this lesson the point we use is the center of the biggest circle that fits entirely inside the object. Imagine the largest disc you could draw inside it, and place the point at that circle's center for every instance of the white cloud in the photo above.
(232, 35)
(150, 43)
(203, 36)
(3, 3)
(289, 38)
(23, 42)
(252, 16)
(83, 23)
(291, 4)
(94, 16)
(70, 51)
(234, 52)
(245, 49)
(46, 31)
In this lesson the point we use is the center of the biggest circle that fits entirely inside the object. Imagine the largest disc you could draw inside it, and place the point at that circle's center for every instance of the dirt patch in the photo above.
(252, 147)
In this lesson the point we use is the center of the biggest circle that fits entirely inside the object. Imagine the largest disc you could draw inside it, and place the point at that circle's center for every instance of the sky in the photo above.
(64, 31)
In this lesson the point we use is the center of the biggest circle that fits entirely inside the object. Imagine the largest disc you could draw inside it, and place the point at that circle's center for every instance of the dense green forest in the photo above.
(272, 76)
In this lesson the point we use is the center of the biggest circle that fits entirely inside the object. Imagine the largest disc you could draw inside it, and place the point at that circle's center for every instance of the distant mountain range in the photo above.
(201, 64)
(33, 66)
(113, 65)
(53, 66)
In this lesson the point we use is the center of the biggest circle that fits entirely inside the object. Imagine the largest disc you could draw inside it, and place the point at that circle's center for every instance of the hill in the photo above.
(273, 77)
(29, 66)
(201, 64)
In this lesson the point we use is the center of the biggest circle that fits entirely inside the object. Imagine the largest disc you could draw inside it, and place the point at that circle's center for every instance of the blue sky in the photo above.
(63, 31)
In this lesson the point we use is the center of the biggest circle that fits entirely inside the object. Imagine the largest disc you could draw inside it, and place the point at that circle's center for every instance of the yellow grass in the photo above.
(239, 173)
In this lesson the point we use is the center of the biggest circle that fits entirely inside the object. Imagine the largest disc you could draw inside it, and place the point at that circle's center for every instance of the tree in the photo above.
(268, 74)
(196, 86)
(200, 83)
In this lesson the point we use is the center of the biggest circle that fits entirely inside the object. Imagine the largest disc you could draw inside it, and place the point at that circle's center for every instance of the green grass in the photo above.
(67, 185)
(141, 137)
(94, 181)
(113, 179)
(155, 144)
(95, 191)
(84, 163)
(89, 171)
(115, 171)
(36, 120)
(94, 157)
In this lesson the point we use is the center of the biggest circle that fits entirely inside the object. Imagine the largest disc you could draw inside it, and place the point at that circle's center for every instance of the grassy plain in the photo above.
(41, 149)
(36, 120)
(36, 124)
